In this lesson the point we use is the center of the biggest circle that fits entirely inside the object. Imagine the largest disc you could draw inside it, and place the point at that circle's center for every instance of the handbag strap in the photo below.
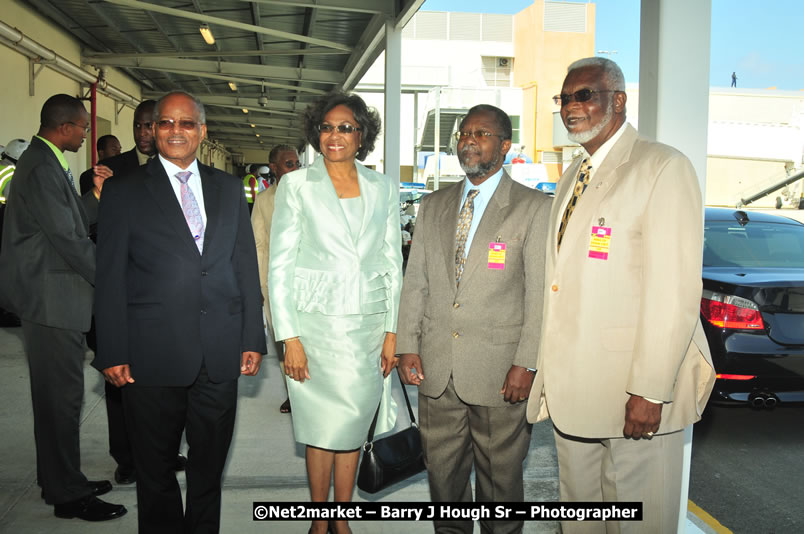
(370, 437)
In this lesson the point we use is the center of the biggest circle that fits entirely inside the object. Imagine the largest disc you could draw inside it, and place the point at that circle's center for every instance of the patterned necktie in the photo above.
(70, 179)
(580, 187)
(192, 213)
(464, 222)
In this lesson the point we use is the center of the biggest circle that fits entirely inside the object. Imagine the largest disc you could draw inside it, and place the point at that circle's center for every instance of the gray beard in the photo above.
(588, 135)
(478, 170)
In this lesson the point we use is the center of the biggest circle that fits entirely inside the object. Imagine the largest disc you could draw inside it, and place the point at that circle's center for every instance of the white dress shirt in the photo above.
(485, 191)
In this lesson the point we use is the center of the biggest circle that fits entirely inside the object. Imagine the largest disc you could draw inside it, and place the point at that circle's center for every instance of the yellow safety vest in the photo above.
(6, 174)
(250, 187)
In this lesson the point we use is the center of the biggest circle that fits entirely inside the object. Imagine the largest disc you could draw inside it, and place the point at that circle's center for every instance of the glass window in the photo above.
(757, 244)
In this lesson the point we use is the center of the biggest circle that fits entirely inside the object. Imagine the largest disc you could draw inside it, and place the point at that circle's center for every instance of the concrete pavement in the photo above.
(265, 464)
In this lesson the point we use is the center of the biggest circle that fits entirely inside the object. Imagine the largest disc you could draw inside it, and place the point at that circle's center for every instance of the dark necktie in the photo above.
(580, 186)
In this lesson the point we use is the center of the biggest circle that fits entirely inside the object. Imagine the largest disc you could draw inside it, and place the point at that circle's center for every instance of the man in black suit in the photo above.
(119, 165)
(48, 269)
(107, 147)
(178, 315)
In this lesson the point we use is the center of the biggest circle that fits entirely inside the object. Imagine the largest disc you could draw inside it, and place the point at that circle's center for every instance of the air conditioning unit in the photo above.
(503, 61)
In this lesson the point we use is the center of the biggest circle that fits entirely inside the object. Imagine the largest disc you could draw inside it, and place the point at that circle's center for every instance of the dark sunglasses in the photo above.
(168, 124)
(342, 128)
(584, 95)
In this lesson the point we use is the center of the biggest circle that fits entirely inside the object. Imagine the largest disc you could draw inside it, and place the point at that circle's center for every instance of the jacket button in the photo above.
(554, 288)
(455, 335)
(456, 305)
(204, 273)
(203, 312)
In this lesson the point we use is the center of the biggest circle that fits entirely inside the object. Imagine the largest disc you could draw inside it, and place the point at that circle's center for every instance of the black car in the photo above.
(752, 306)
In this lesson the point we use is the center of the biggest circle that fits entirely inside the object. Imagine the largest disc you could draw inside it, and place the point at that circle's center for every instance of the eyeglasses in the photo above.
(584, 95)
(85, 128)
(289, 164)
(347, 129)
(477, 135)
(168, 124)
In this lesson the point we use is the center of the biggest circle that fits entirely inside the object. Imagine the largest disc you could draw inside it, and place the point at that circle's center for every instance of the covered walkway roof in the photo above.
(279, 54)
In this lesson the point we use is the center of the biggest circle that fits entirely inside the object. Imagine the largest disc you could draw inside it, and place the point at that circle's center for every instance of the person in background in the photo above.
(282, 159)
(334, 282)
(107, 146)
(623, 363)
(47, 266)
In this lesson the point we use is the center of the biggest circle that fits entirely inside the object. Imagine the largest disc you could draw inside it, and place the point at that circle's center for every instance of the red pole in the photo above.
(92, 118)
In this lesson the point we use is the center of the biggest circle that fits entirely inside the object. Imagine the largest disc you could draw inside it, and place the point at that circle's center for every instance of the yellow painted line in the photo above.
(713, 523)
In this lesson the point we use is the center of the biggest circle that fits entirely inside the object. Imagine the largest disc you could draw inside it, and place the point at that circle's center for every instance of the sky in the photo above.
(757, 39)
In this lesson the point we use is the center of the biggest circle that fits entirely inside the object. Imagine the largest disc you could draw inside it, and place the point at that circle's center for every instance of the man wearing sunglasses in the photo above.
(623, 361)
(178, 315)
(469, 322)
(282, 160)
(119, 165)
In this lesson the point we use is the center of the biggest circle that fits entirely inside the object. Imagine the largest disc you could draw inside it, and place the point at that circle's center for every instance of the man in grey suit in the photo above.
(48, 270)
(469, 321)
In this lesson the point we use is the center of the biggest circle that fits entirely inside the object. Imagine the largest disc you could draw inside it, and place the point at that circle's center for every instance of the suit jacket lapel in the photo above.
(448, 223)
(370, 191)
(212, 203)
(326, 195)
(604, 178)
(487, 228)
(158, 183)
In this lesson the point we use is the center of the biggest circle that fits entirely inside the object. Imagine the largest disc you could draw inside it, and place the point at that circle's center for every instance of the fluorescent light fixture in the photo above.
(206, 33)
(232, 86)
(245, 110)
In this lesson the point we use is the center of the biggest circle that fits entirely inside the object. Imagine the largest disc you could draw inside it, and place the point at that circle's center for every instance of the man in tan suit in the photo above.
(469, 321)
(282, 159)
(623, 362)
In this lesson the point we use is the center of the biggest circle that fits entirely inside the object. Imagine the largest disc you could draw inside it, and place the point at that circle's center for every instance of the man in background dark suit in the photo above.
(107, 147)
(178, 315)
(144, 149)
(48, 269)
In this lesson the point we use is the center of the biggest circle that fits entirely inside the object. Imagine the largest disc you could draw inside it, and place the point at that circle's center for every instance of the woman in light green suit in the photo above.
(335, 274)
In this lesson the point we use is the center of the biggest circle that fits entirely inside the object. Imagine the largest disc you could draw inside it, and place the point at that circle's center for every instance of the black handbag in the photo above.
(391, 459)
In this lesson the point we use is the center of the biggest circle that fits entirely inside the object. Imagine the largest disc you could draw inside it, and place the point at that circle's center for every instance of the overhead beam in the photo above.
(89, 54)
(384, 7)
(244, 119)
(256, 19)
(221, 67)
(227, 23)
(256, 110)
(265, 131)
(242, 81)
(278, 107)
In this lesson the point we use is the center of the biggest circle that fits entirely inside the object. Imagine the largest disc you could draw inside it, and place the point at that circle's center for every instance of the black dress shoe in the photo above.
(89, 509)
(125, 475)
(98, 487)
(181, 462)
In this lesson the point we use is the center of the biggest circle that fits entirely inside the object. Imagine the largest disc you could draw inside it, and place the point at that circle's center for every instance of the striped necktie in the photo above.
(464, 222)
(580, 186)
(192, 213)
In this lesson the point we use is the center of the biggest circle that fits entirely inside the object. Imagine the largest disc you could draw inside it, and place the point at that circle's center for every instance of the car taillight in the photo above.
(735, 377)
(730, 311)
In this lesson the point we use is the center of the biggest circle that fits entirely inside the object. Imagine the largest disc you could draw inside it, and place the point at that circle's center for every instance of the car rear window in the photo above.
(757, 244)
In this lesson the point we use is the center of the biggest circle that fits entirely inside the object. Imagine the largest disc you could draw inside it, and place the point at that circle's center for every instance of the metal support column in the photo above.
(674, 104)
(393, 100)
